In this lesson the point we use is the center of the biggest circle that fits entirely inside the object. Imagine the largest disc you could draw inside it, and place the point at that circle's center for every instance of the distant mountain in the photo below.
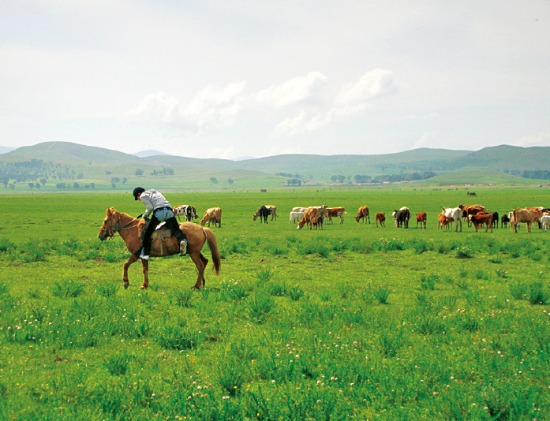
(148, 153)
(65, 165)
(4, 149)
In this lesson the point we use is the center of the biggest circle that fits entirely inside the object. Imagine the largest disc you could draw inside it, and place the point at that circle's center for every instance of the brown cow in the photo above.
(443, 221)
(421, 218)
(309, 214)
(213, 215)
(525, 215)
(380, 217)
(468, 210)
(336, 212)
(482, 218)
(363, 213)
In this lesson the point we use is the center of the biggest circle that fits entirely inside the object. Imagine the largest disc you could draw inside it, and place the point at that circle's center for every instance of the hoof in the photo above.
(143, 287)
(126, 285)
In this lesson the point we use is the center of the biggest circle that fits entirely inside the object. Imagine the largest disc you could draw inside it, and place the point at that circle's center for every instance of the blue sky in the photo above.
(231, 79)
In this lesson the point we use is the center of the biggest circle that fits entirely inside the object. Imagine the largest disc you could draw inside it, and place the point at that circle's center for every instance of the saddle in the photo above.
(160, 235)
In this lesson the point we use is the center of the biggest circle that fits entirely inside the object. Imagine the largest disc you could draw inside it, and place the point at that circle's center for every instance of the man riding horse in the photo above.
(160, 210)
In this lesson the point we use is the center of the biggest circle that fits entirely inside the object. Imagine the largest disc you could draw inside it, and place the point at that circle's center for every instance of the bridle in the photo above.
(115, 226)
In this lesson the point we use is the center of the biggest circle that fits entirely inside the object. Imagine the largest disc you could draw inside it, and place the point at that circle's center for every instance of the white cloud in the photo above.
(294, 91)
(216, 107)
(373, 84)
(158, 107)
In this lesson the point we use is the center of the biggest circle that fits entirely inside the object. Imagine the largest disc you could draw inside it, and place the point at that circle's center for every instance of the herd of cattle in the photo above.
(315, 216)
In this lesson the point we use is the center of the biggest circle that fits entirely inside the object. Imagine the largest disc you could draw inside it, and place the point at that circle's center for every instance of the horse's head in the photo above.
(110, 225)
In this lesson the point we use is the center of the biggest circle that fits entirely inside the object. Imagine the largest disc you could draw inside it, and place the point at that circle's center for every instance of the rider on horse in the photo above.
(160, 210)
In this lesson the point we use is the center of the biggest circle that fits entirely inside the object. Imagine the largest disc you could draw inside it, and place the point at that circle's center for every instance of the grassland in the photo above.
(351, 321)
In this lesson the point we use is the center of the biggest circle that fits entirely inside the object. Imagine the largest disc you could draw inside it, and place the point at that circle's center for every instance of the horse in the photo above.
(163, 244)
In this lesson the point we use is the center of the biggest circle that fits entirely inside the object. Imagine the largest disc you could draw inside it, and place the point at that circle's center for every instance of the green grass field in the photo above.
(351, 321)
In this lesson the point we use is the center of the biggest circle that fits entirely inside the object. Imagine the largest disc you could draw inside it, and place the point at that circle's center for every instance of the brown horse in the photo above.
(163, 244)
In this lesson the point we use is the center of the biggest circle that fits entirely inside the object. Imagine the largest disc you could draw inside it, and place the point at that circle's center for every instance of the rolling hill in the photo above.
(54, 166)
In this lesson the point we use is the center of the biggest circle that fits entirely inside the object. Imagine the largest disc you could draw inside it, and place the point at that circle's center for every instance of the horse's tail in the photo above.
(215, 252)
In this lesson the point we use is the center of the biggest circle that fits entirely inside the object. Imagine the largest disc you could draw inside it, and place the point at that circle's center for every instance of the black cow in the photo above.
(263, 212)
(402, 217)
(504, 220)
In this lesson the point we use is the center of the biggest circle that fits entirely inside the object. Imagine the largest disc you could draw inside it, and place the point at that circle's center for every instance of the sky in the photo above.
(235, 79)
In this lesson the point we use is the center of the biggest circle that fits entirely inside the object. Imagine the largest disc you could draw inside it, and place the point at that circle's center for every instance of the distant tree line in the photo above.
(539, 175)
(34, 171)
(392, 178)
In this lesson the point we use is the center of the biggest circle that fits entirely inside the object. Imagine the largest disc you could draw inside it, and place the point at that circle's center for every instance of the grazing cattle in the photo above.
(545, 222)
(402, 217)
(187, 211)
(363, 213)
(309, 214)
(443, 221)
(468, 210)
(273, 210)
(421, 218)
(495, 219)
(263, 212)
(504, 220)
(455, 215)
(212, 215)
(298, 209)
(380, 218)
(482, 218)
(295, 216)
(525, 215)
(317, 222)
(336, 213)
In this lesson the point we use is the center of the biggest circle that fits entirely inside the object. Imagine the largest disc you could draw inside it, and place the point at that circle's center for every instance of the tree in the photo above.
(213, 180)
(139, 172)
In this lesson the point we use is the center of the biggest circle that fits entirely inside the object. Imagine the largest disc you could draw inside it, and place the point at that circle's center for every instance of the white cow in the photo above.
(545, 222)
(295, 217)
(455, 214)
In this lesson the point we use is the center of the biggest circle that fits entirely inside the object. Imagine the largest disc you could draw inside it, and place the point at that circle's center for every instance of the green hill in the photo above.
(61, 166)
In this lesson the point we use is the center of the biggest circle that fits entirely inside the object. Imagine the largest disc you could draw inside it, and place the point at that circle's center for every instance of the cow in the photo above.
(380, 218)
(317, 222)
(421, 218)
(545, 222)
(309, 214)
(336, 212)
(295, 216)
(504, 220)
(496, 217)
(482, 218)
(188, 211)
(298, 209)
(263, 212)
(525, 215)
(402, 217)
(212, 215)
(363, 213)
(455, 214)
(471, 193)
(468, 210)
(443, 221)
(273, 209)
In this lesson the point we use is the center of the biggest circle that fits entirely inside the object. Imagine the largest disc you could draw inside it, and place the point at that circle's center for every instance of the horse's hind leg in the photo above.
(200, 262)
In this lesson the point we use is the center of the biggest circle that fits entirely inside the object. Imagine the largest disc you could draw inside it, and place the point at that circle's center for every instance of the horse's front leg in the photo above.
(145, 269)
(125, 279)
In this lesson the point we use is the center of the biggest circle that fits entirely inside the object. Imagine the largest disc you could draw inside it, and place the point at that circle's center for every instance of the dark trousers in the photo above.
(171, 223)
